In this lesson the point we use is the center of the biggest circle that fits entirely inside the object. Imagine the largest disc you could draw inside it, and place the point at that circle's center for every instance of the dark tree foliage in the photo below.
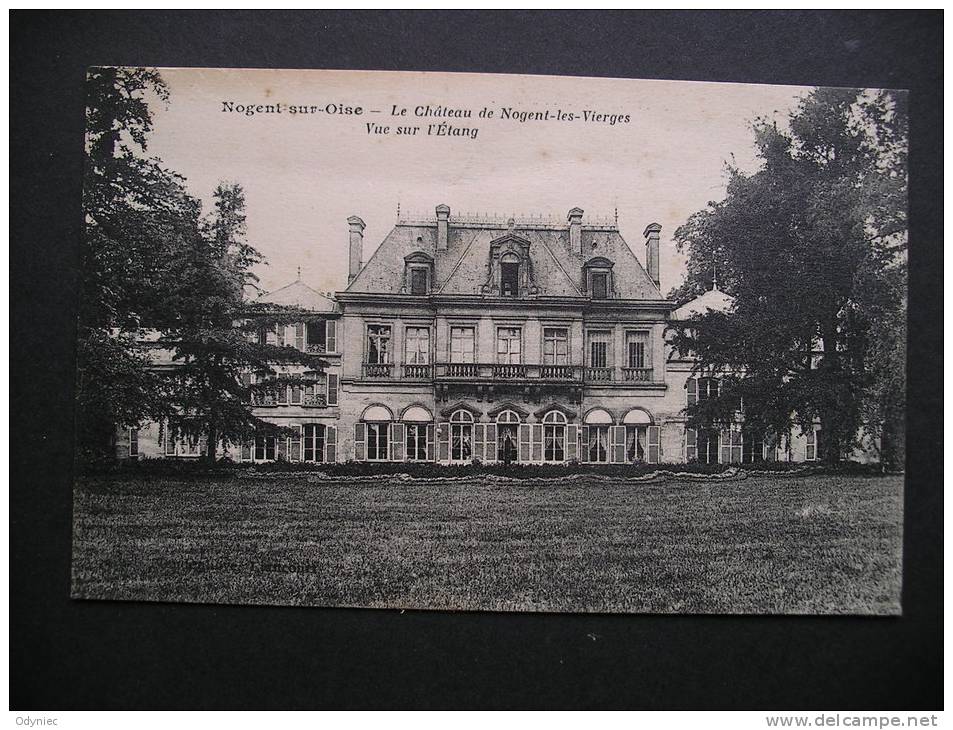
(813, 248)
(154, 265)
(214, 333)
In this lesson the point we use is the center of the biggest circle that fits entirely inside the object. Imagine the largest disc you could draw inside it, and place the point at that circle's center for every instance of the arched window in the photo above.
(510, 275)
(597, 449)
(637, 424)
(461, 435)
(507, 436)
(377, 423)
(418, 432)
(554, 436)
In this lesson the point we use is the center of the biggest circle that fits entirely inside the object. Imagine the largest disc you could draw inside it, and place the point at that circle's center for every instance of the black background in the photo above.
(71, 654)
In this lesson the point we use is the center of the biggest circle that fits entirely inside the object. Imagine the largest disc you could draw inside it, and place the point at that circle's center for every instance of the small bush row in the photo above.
(226, 467)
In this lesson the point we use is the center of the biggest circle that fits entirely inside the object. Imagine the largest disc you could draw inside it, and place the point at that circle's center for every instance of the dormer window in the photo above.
(510, 277)
(598, 278)
(510, 269)
(600, 285)
(419, 281)
(418, 273)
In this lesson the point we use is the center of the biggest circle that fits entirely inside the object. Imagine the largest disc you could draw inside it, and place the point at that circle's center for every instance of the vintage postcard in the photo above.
(491, 342)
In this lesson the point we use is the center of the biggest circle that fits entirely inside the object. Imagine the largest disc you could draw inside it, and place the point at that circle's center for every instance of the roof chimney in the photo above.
(443, 226)
(356, 247)
(651, 234)
(575, 230)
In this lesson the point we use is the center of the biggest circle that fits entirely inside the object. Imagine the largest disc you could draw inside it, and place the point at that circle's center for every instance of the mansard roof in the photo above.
(298, 294)
(464, 267)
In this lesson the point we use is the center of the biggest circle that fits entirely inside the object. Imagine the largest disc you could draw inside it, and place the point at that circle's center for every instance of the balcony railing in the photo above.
(506, 371)
(599, 375)
(509, 371)
(558, 372)
(418, 372)
(378, 370)
(314, 400)
(637, 375)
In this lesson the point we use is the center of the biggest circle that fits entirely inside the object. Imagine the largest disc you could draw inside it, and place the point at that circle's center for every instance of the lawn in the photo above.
(778, 544)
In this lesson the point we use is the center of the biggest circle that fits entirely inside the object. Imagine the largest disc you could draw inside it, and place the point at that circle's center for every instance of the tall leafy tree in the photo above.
(138, 219)
(812, 247)
(155, 268)
(215, 333)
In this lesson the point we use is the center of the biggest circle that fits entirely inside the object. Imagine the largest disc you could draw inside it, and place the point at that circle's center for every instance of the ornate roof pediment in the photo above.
(497, 410)
(418, 257)
(567, 412)
(448, 411)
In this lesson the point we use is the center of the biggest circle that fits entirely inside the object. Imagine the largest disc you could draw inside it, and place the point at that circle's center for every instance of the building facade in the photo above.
(467, 338)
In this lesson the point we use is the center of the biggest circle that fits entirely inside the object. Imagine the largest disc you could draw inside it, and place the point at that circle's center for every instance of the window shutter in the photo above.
(692, 385)
(617, 439)
(294, 450)
(490, 442)
(536, 437)
(296, 394)
(479, 440)
(299, 335)
(332, 388)
(443, 442)
(736, 446)
(161, 434)
(170, 442)
(282, 397)
(281, 335)
(572, 442)
(331, 329)
(691, 445)
(331, 443)
(724, 439)
(524, 443)
(398, 446)
(655, 444)
(360, 441)
(584, 438)
(282, 447)
(430, 441)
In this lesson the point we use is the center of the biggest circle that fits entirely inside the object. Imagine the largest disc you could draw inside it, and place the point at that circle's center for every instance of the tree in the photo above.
(214, 333)
(812, 247)
(153, 265)
(138, 219)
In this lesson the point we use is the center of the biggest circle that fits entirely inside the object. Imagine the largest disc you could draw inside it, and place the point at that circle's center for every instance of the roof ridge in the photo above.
(558, 262)
(288, 286)
(459, 261)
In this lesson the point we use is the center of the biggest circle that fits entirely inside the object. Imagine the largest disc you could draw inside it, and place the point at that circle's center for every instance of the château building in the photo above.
(472, 338)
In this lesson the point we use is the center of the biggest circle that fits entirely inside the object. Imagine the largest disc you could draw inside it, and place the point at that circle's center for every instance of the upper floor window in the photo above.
(510, 277)
(600, 285)
(636, 349)
(598, 278)
(417, 346)
(701, 389)
(378, 344)
(418, 272)
(555, 346)
(419, 281)
(509, 341)
(599, 351)
(461, 344)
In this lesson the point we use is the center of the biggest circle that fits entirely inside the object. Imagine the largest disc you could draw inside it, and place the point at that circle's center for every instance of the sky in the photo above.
(304, 174)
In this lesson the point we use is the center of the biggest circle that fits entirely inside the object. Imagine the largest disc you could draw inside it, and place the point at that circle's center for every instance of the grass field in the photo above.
(818, 544)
